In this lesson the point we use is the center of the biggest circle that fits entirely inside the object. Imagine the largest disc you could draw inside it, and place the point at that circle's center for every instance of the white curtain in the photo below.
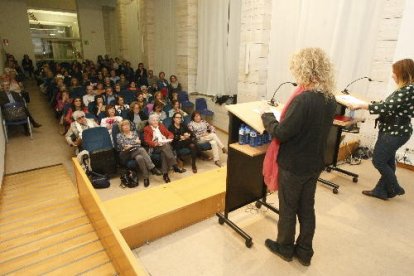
(345, 29)
(218, 46)
(165, 37)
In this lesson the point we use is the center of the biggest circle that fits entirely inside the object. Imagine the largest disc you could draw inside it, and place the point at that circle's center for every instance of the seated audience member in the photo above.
(123, 82)
(89, 96)
(62, 102)
(15, 85)
(152, 81)
(74, 134)
(205, 132)
(77, 105)
(141, 75)
(114, 78)
(99, 89)
(117, 89)
(110, 119)
(132, 86)
(8, 96)
(146, 94)
(174, 86)
(74, 83)
(100, 107)
(158, 138)
(86, 80)
(109, 96)
(27, 65)
(141, 98)
(162, 83)
(129, 147)
(158, 110)
(173, 96)
(108, 82)
(137, 115)
(121, 107)
(176, 109)
(183, 138)
(158, 97)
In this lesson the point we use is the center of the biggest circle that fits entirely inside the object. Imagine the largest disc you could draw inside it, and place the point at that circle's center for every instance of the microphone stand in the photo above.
(345, 91)
(272, 100)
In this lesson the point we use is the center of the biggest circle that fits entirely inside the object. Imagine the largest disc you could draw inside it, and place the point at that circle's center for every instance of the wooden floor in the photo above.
(44, 229)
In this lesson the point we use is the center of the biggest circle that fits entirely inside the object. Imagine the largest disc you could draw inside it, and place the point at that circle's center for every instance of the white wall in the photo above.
(405, 49)
(14, 26)
(133, 32)
(91, 28)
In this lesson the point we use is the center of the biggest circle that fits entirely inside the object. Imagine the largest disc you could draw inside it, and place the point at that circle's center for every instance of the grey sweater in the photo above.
(303, 132)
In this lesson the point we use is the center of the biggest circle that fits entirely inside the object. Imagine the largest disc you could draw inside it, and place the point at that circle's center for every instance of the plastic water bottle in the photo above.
(253, 138)
(247, 135)
(259, 140)
(241, 134)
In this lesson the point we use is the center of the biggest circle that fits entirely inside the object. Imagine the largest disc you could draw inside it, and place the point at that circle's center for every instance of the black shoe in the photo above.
(399, 192)
(146, 182)
(155, 171)
(371, 193)
(302, 260)
(299, 253)
(275, 248)
(178, 170)
(166, 178)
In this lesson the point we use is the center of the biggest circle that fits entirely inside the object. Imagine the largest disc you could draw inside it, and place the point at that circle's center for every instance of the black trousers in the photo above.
(296, 199)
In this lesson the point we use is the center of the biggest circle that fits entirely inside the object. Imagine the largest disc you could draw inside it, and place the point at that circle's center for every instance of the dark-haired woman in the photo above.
(395, 129)
(183, 138)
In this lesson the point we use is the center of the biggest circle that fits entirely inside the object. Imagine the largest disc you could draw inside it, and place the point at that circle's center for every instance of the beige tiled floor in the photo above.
(355, 235)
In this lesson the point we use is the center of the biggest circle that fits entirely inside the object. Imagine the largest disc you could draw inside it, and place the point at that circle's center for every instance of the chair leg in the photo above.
(5, 131)
(29, 125)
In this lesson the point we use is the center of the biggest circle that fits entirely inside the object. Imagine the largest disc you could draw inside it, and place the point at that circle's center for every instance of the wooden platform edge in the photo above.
(165, 224)
(121, 255)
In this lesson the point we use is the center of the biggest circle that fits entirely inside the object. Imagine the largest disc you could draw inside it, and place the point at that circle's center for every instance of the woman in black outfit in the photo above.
(183, 138)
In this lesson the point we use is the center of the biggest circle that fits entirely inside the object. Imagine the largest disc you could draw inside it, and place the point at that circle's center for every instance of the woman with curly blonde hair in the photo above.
(295, 158)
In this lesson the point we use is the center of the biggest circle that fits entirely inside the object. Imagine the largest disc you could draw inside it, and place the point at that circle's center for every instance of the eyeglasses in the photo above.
(178, 117)
(81, 117)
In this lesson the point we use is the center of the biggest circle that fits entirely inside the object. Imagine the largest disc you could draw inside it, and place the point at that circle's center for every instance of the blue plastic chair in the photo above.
(167, 122)
(201, 106)
(15, 114)
(101, 151)
(128, 96)
(186, 105)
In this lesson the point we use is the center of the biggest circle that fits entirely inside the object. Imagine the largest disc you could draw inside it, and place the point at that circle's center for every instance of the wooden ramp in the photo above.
(44, 229)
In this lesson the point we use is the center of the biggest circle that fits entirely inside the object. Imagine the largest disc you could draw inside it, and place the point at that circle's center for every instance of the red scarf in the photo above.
(270, 165)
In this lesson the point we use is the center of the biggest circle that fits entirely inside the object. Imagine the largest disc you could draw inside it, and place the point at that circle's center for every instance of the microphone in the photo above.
(272, 100)
(345, 91)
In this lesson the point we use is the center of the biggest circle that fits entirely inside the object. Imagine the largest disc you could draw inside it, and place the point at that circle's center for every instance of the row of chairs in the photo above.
(105, 157)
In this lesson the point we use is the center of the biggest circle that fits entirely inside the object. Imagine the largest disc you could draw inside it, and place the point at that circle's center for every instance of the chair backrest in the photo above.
(129, 96)
(186, 120)
(200, 104)
(167, 122)
(78, 92)
(14, 112)
(183, 96)
(167, 108)
(96, 138)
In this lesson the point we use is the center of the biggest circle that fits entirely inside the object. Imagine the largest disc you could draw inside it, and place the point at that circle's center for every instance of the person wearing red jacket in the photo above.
(158, 138)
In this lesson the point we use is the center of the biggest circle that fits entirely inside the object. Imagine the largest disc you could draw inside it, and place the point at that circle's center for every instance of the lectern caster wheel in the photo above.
(335, 191)
(258, 204)
(355, 179)
(328, 169)
(221, 220)
(248, 243)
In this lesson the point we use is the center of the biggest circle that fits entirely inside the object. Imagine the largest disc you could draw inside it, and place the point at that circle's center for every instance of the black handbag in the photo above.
(99, 181)
(129, 179)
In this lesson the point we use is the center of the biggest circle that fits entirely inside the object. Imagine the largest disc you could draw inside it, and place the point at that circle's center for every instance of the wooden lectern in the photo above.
(244, 183)
(334, 137)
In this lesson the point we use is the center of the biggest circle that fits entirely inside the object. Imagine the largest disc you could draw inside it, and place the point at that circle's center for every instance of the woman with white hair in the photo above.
(296, 154)
(158, 138)
(74, 134)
